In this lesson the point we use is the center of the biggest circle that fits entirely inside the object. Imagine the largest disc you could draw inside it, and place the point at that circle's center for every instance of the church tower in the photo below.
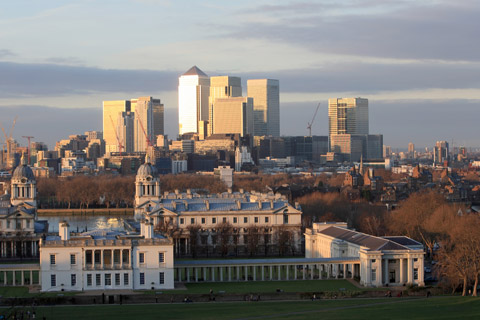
(23, 185)
(147, 183)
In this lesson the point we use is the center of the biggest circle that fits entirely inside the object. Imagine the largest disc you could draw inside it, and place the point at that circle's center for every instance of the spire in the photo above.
(147, 158)
(195, 71)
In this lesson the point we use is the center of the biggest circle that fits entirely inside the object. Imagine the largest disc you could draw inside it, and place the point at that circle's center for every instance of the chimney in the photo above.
(239, 205)
(271, 204)
(207, 205)
(148, 230)
(142, 227)
(174, 205)
(64, 230)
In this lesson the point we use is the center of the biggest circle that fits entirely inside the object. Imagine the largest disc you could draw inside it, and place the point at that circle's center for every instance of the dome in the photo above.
(23, 172)
(146, 170)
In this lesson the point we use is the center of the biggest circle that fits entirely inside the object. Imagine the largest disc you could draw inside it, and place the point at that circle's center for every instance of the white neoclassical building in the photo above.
(105, 260)
(384, 261)
(270, 214)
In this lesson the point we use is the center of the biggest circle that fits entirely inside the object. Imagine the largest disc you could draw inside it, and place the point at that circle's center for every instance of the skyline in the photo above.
(418, 72)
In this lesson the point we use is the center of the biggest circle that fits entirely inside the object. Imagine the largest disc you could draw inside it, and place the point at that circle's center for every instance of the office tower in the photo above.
(158, 118)
(266, 106)
(193, 91)
(374, 147)
(440, 152)
(221, 87)
(233, 115)
(387, 151)
(348, 116)
(144, 123)
(112, 111)
(125, 129)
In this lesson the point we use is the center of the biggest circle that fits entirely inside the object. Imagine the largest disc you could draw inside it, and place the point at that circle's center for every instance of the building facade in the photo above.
(193, 93)
(384, 261)
(104, 260)
(221, 87)
(266, 106)
(233, 115)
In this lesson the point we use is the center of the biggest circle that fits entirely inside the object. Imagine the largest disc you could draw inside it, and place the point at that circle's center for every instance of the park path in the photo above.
(286, 314)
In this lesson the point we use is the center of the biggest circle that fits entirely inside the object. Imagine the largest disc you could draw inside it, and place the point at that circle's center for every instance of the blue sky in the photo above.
(412, 59)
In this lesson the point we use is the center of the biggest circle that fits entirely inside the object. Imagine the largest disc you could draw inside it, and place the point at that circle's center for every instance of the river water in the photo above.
(88, 222)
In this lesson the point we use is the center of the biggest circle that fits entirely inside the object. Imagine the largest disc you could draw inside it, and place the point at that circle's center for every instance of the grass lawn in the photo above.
(385, 308)
(22, 292)
(265, 287)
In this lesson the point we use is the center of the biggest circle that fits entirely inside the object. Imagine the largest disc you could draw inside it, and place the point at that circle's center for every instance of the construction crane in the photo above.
(8, 139)
(149, 142)
(309, 126)
(29, 146)
(120, 145)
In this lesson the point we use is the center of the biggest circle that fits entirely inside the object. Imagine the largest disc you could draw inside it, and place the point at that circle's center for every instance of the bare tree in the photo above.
(194, 234)
(284, 240)
(252, 240)
(224, 233)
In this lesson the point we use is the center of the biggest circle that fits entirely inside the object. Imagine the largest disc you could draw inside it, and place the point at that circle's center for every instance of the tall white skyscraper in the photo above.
(266, 106)
(193, 92)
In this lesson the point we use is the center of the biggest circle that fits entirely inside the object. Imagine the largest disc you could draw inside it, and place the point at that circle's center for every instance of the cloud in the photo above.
(26, 80)
(6, 53)
(421, 30)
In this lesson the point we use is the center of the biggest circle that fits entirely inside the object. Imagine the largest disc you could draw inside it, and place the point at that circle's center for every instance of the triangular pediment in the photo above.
(162, 212)
(288, 207)
(20, 213)
(145, 204)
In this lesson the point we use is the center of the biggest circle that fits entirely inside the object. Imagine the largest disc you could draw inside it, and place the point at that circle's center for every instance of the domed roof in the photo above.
(23, 171)
(146, 169)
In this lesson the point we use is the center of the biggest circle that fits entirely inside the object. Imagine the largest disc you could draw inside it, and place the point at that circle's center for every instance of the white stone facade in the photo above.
(105, 260)
(384, 261)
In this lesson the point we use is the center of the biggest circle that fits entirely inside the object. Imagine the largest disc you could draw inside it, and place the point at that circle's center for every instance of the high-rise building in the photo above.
(266, 106)
(233, 115)
(129, 122)
(440, 152)
(112, 112)
(348, 116)
(193, 92)
(221, 87)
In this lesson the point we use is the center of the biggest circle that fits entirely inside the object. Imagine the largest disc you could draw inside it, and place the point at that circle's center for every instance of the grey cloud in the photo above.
(6, 53)
(50, 79)
(374, 78)
(64, 60)
(445, 31)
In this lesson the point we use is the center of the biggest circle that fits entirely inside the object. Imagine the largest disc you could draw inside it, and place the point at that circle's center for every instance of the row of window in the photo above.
(18, 225)
(392, 277)
(107, 279)
(141, 258)
(225, 220)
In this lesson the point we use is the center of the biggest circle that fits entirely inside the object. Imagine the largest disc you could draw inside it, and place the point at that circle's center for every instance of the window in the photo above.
(88, 257)
(285, 218)
(266, 219)
(142, 278)
(52, 259)
(161, 257)
(8, 224)
(108, 279)
(125, 279)
(235, 220)
(53, 280)
(256, 219)
(182, 220)
(214, 220)
(162, 278)
(203, 220)
(28, 223)
(245, 220)
(415, 259)
(117, 279)
(192, 220)
(224, 220)
(415, 274)
(98, 279)
(73, 279)
(73, 259)
(141, 257)
(89, 279)
(374, 275)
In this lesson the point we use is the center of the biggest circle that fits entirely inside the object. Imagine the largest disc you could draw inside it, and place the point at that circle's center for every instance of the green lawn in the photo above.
(384, 308)
(265, 287)
(22, 292)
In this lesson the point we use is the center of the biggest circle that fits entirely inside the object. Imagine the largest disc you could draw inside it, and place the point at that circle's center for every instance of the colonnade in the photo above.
(267, 271)
(102, 259)
(20, 277)
(10, 247)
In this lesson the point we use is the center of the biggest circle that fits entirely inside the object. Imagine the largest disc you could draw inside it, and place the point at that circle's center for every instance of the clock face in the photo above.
(149, 178)
(24, 180)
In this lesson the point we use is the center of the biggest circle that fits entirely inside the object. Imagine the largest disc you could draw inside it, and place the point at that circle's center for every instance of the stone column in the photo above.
(402, 271)
(254, 273)
(31, 277)
(345, 271)
(410, 270)
(295, 266)
(23, 277)
(196, 274)
(279, 270)
(263, 273)
(304, 271)
(229, 273)
(312, 271)
(221, 274)
(188, 274)
(212, 272)
(238, 273)
(288, 271)
(271, 274)
(204, 274)
(246, 273)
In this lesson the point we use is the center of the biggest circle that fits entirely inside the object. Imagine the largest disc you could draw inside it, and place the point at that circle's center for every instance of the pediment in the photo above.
(162, 212)
(145, 204)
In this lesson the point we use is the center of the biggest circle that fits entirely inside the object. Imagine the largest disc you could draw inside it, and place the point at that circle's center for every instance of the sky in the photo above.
(418, 62)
